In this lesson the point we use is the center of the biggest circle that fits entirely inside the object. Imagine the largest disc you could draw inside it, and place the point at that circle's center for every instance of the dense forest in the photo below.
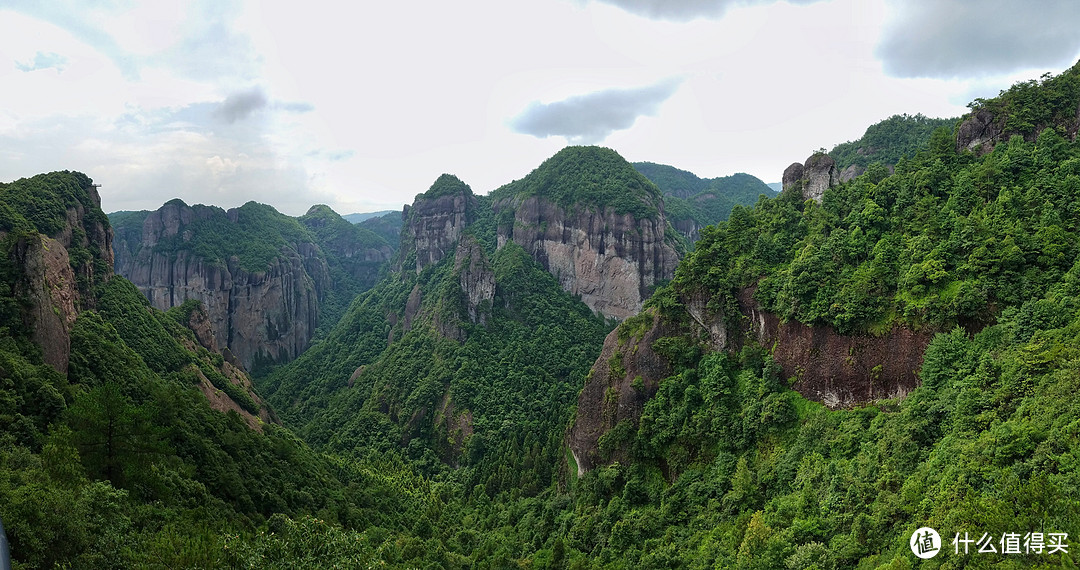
(424, 430)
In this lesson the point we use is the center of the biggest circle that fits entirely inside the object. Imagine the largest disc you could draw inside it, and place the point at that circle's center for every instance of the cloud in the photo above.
(971, 38)
(241, 105)
(590, 118)
(686, 10)
(43, 60)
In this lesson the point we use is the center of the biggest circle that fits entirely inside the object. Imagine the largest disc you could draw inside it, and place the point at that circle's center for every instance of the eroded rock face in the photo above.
(49, 286)
(55, 290)
(266, 316)
(614, 393)
(837, 370)
(979, 132)
(432, 227)
(812, 178)
(793, 175)
(820, 174)
(610, 260)
(476, 277)
(852, 172)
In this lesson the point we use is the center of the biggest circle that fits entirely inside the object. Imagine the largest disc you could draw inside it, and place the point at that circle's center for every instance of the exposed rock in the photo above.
(624, 377)
(979, 132)
(813, 178)
(852, 172)
(793, 176)
(834, 369)
(820, 174)
(477, 279)
(433, 225)
(265, 316)
(689, 228)
(611, 260)
(49, 286)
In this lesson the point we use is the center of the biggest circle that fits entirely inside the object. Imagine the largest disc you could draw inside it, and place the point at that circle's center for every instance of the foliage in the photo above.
(588, 177)
(887, 141)
(706, 201)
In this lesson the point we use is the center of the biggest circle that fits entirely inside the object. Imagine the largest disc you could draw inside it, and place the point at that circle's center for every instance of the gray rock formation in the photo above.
(264, 316)
(432, 226)
(852, 172)
(611, 260)
(813, 178)
(476, 277)
(979, 132)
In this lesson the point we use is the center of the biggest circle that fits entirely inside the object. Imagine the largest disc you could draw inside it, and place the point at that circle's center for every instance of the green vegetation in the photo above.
(446, 185)
(947, 239)
(588, 177)
(254, 233)
(438, 440)
(387, 226)
(701, 201)
(1028, 107)
(886, 142)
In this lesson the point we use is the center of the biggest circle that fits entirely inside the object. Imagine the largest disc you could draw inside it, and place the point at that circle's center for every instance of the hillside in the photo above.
(537, 380)
(268, 280)
(691, 203)
(125, 439)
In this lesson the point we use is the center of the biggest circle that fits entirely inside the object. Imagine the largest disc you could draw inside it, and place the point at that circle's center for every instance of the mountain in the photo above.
(834, 368)
(127, 439)
(267, 280)
(828, 371)
(691, 203)
(886, 142)
(387, 226)
(595, 223)
(357, 218)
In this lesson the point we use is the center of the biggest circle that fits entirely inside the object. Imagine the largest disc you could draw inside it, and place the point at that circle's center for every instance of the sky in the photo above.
(362, 105)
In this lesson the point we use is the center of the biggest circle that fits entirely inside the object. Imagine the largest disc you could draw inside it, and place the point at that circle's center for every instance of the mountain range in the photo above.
(602, 364)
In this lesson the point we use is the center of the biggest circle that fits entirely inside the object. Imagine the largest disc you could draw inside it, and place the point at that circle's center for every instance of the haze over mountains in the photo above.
(599, 365)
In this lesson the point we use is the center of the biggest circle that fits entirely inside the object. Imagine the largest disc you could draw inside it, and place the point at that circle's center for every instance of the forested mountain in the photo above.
(827, 371)
(691, 203)
(886, 142)
(268, 280)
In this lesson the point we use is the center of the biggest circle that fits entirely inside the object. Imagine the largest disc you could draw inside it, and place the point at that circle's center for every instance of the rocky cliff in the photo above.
(63, 252)
(623, 379)
(594, 223)
(262, 315)
(812, 178)
(833, 369)
(434, 222)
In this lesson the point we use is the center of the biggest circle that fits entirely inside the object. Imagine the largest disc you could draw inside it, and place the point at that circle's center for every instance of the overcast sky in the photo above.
(361, 105)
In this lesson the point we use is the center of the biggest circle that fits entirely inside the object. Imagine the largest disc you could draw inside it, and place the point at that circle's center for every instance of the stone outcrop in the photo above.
(433, 225)
(610, 260)
(622, 380)
(837, 370)
(48, 284)
(476, 278)
(55, 288)
(264, 316)
(852, 172)
(812, 178)
(980, 132)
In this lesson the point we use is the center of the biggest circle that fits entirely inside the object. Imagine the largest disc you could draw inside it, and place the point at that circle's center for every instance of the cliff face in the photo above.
(622, 380)
(267, 315)
(59, 272)
(833, 369)
(433, 225)
(812, 178)
(836, 370)
(609, 259)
